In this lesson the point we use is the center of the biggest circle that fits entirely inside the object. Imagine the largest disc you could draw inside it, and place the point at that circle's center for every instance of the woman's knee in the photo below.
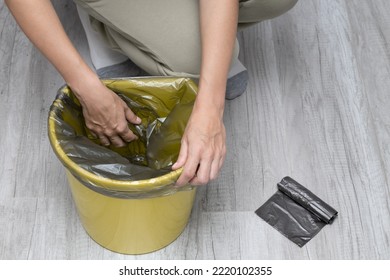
(259, 10)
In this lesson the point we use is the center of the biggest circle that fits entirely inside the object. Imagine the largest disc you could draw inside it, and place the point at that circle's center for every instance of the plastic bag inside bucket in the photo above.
(296, 212)
(164, 106)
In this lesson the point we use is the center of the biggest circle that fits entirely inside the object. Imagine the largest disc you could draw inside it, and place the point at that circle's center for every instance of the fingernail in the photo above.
(138, 120)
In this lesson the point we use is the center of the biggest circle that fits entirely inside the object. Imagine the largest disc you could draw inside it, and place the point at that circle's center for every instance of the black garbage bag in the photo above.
(164, 106)
(296, 212)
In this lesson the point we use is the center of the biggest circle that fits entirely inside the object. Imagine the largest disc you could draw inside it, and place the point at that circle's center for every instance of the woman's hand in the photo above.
(203, 149)
(106, 115)
(203, 146)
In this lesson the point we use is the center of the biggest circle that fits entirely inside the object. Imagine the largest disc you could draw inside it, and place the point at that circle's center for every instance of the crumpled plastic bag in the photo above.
(296, 212)
(164, 106)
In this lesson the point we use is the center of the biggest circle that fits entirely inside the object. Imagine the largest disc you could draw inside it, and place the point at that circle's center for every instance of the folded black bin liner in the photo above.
(296, 212)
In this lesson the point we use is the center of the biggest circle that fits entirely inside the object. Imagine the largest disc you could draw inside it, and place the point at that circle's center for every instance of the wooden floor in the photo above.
(317, 109)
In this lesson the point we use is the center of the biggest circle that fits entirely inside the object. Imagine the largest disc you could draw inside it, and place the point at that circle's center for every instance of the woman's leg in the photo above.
(253, 11)
(163, 37)
(108, 62)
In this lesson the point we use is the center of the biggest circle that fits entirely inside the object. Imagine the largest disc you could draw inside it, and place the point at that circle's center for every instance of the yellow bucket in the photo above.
(116, 213)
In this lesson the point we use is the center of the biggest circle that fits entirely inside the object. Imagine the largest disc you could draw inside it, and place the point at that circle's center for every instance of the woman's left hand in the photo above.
(203, 146)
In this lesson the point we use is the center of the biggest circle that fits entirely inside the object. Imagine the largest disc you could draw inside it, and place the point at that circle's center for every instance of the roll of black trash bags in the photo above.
(307, 200)
(296, 212)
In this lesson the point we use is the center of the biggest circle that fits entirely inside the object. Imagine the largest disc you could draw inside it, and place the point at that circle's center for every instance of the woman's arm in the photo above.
(105, 113)
(203, 147)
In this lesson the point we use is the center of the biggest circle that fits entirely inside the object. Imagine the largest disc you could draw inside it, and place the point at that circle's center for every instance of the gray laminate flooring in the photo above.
(316, 109)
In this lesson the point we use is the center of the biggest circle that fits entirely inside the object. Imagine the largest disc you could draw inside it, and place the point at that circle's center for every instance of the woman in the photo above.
(194, 38)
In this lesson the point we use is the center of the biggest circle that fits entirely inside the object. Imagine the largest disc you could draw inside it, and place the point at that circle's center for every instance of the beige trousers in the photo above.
(162, 36)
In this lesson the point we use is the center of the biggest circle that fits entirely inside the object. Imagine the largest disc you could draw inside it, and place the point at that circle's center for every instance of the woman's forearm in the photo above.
(218, 20)
(40, 23)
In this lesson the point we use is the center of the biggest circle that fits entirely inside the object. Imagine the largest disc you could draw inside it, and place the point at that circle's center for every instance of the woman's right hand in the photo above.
(106, 114)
